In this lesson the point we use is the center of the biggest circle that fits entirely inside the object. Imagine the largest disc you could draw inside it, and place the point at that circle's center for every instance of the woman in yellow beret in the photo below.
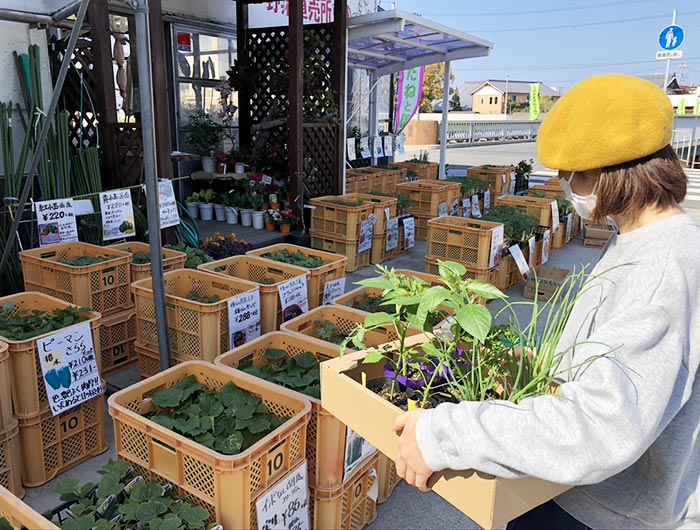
(626, 431)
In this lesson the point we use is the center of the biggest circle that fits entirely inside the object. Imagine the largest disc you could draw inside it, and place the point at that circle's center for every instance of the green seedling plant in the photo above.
(229, 420)
(346, 202)
(195, 256)
(297, 258)
(203, 298)
(16, 324)
(328, 331)
(85, 260)
(122, 501)
(518, 227)
(300, 373)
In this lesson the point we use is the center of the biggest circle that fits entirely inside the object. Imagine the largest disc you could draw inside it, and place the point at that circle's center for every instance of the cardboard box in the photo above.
(549, 278)
(489, 501)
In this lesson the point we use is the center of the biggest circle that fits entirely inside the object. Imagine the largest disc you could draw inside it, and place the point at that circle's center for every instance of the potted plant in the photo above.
(230, 203)
(256, 198)
(193, 205)
(271, 219)
(204, 135)
(206, 204)
(288, 221)
(219, 208)
(222, 162)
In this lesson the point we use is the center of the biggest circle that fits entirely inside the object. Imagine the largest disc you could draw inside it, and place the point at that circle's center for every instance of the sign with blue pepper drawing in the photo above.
(69, 366)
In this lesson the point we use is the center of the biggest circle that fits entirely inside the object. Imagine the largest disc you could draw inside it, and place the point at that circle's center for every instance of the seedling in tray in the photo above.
(26, 324)
(328, 331)
(296, 258)
(203, 298)
(300, 373)
(85, 260)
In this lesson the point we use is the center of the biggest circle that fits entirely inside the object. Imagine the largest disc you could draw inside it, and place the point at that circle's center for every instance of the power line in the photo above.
(540, 11)
(567, 67)
(574, 26)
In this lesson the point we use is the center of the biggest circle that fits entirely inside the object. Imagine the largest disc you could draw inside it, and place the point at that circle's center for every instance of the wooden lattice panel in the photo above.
(129, 152)
(320, 144)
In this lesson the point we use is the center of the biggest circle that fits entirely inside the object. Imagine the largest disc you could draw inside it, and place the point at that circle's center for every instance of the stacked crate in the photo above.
(570, 228)
(339, 494)
(422, 171)
(49, 444)
(373, 179)
(466, 241)
(336, 224)
(500, 178)
(430, 199)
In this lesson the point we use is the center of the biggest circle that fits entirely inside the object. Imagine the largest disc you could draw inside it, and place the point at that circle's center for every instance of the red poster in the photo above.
(184, 42)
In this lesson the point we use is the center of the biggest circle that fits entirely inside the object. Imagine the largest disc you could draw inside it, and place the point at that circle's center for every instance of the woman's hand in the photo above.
(410, 465)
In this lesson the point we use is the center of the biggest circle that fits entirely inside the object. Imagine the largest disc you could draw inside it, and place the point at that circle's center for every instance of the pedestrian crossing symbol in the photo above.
(671, 37)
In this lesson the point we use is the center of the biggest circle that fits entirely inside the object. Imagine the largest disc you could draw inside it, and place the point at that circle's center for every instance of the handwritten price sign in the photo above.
(286, 506)
(244, 318)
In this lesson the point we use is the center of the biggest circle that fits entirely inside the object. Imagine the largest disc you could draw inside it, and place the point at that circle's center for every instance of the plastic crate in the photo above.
(254, 270)
(357, 181)
(11, 460)
(548, 190)
(348, 299)
(195, 330)
(540, 209)
(388, 478)
(7, 419)
(508, 272)
(467, 241)
(29, 397)
(498, 177)
(19, 515)
(228, 485)
(117, 337)
(379, 252)
(104, 287)
(345, 319)
(343, 247)
(149, 360)
(430, 279)
(426, 196)
(387, 180)
(485, 275)
(379, 206)
(172, 259)
(348, 507)
(325, 435)
(558, 240)
(54, 444)
(421, 226)
(328, 218)
(333, 270)
(427, 171)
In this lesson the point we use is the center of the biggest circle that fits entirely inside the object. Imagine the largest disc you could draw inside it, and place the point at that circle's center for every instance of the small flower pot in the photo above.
(208, 164)
(221, 168)
(206, 211)
(193, 209)
(220, 212)
(247, 217)
(239, 168)
(285, 229)
(270, 227)
(231, 215)
(259, 220)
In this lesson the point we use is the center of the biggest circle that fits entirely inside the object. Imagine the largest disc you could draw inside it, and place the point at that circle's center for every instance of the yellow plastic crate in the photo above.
(20, 515)
(172, 259)
(117, 337)
(467, 241)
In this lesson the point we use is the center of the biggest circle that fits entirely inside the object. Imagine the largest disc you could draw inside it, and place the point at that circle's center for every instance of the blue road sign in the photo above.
(671, 37)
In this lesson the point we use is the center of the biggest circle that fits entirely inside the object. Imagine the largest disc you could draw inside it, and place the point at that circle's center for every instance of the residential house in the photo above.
(490, 96)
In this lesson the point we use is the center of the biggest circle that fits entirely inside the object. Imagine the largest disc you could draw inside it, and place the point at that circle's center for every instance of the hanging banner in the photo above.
(696, 109)
(681, 107)
(534, 101)
(69, 366)
(56, 222)
(294, 298)
(409, 233)
(117, 215)
(244, 318)
(409, 96)
(169, 215)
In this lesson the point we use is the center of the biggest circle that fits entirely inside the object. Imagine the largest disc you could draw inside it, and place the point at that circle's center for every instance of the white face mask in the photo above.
(584, 206)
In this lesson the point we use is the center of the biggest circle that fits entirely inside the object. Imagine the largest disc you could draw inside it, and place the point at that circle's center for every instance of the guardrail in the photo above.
(481, 131)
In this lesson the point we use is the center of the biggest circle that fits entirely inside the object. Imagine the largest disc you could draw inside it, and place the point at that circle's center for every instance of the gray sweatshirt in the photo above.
(626, 430)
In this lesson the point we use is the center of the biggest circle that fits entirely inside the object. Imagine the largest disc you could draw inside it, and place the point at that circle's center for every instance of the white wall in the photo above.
(221, 11)
(488, 90)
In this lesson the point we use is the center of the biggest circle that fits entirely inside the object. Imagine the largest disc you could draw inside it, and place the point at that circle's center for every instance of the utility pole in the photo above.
(507, 80)
(668, 61)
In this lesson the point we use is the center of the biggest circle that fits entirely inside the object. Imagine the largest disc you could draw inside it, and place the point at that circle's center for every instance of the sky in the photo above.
(563, 42)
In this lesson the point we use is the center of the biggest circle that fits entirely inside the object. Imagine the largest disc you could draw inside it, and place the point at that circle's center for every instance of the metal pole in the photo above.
(445, 119)
(44, 134)
(373, 81)
(668, 61)
(507, 81)
(143, 58)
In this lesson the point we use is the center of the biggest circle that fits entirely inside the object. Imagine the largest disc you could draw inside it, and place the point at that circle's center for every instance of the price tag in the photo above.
(294, 298)
(244, 318)
(169, 215)
(392, 234)
(569, 226)
(333, 290)
(466, 207)
(388, 146)
(496, 246)
(401, 144)
(69, 366)
(487, 201)
(378, 151)
(273, 198)
(512, 187)
(117, 215)
(409, 232)
(267, 180)
(357, 449)
(352, 149)
(476, 212)
(454, 208)
(545, 246)
(285, 506)
(56, 222)
(364, 147)
(366, 234)
(442, 209)
(531, 247)
(555, 216)
(520, 260)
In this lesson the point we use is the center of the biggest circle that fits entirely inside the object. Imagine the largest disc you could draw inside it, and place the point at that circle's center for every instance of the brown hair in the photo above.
(657, 180)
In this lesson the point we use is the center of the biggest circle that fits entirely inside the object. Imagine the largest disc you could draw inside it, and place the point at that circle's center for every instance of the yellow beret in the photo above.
(604, 121)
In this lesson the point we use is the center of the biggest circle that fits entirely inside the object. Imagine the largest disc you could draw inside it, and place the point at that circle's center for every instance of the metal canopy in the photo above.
(37, 11)
(390, 41)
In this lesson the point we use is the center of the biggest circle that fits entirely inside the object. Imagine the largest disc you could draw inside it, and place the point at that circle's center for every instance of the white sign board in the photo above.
(378, 148)
(333, 290)
(285, 506)
(69, 367)
(271, 14)
(117, 215)
(442, 209)
(454, 208)
(476, 212)
(56, 222)
(366, 235)
(665, 56)
(294, 298)
(531, 247)
(388, 145)
(555, 216)
(364, 147)
(357, 449)
(520, 260)
(169, 215)
(496, 246)
(244, 318)
(545, 246)
(352, 153)
(487, 201)
(569, 226)
(409, 232)
(466, 207)
(392, 234)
